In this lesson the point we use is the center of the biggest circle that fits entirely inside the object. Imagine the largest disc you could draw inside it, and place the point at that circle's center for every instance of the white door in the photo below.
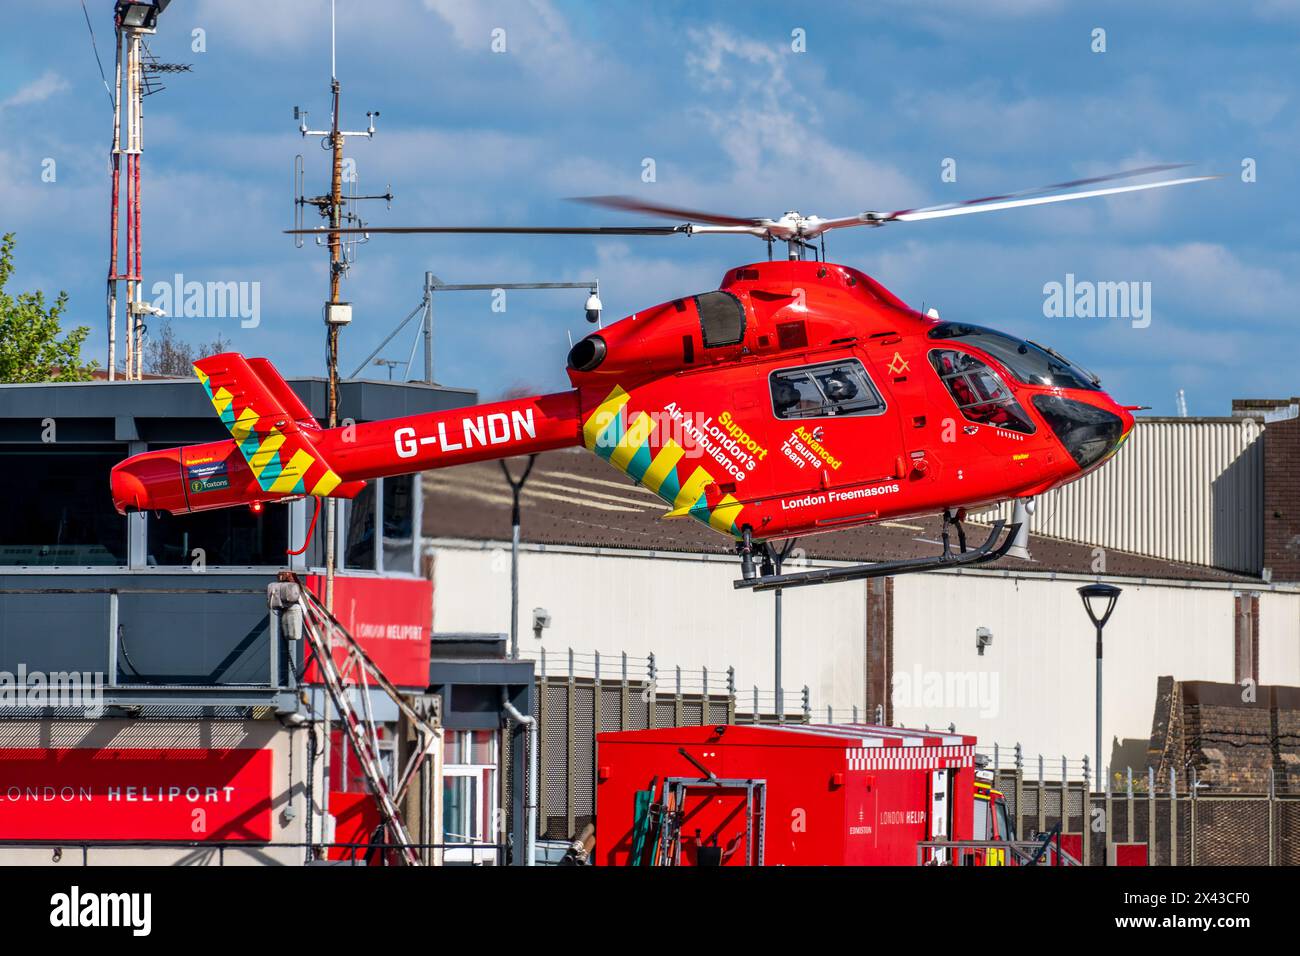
(940, 804)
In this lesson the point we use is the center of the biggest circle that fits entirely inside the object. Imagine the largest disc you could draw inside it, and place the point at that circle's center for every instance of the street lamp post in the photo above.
(1099, 601)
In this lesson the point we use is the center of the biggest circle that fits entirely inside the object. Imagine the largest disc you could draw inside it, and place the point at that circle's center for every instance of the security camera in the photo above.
(144, 308)
(593, 308)
(983, 639)
(541, 620)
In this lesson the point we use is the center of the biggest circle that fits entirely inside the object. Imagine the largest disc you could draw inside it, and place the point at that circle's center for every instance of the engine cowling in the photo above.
(682, 334)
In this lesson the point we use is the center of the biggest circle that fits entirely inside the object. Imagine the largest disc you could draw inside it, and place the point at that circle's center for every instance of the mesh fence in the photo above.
(1219, 830)
(1232, 831)
(553, 761)
(1286, 816)
(1208, 830)
(582, 772)
(611, 708)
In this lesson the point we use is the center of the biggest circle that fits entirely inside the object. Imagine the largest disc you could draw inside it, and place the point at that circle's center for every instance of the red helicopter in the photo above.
(799, 397)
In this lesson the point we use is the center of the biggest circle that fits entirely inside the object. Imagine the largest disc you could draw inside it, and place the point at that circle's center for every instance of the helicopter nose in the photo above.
(1090, 433)
(1127, 418)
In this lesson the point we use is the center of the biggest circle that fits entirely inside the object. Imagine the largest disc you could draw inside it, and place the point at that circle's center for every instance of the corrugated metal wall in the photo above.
(1188, 490)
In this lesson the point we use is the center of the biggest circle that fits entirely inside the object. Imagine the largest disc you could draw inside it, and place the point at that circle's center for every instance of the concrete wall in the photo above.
(1279, 637)
(1038, 677)
(681, 608)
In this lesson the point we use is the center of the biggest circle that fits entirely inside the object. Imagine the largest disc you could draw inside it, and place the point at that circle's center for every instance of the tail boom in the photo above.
(277, 451)
(398, 446)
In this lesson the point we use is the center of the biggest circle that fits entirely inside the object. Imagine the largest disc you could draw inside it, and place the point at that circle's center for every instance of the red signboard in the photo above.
(356, 817)
(1072, 843)
(135, 794)
(1128, 854)
(389, 617)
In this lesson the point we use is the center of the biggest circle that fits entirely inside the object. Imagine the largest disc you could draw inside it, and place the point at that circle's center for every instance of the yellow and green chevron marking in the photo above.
(680, 483)
(284, 464)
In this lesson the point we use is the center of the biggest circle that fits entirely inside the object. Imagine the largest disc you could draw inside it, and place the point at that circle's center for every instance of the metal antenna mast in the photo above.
(337, 209)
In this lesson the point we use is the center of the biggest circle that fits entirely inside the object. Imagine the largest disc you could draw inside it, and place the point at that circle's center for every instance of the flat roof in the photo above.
(178, 409)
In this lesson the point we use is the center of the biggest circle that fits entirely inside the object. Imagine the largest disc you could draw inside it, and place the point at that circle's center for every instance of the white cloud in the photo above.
(960, 19)
(270, 27)
(1257, 105)
(998, 8)
(37, 91)
(1216, 280)
(535, 36)
(769, 130)
(534, 30)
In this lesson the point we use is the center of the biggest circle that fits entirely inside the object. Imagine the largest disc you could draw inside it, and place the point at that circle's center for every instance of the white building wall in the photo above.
(1279, 638)
(683, 609)
(1039, 674)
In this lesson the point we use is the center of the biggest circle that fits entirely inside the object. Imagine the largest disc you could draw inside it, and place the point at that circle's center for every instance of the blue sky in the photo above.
(735, 120)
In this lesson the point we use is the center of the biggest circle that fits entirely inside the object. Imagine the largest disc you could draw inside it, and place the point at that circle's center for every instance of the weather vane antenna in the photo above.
(339, 210)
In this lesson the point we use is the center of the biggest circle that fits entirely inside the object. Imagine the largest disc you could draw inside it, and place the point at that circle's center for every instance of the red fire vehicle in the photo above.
(807, 795)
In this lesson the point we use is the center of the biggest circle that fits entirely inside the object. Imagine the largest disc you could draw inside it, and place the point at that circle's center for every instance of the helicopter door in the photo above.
(833, 429)
(742, 417)
(903, 374)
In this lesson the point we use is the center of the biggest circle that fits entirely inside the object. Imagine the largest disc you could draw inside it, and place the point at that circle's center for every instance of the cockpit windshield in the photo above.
(1031, 363)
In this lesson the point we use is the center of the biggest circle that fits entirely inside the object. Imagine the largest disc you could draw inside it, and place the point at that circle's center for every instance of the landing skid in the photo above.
(990, 550)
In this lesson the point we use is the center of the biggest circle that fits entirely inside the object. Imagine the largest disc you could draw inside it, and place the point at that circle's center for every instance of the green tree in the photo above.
(30, 347)
(167, 354)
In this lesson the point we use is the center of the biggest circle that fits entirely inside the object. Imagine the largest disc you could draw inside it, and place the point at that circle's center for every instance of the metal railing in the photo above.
(215, 851)
(992, 853)
(128, 684)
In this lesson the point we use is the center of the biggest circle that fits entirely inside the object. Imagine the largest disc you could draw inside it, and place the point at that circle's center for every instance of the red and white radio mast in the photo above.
(135, 78)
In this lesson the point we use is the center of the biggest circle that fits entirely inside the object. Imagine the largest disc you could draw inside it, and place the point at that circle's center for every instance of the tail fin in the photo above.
(281, 393)
(269, 423)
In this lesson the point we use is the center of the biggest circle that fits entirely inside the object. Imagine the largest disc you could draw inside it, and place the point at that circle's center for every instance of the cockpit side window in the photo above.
(978, 392)
(824, 390)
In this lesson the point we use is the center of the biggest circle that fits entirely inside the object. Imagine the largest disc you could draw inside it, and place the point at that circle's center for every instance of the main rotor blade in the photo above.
(499, 230)
(632, 204)
(1028, 197)
(917, 215)
(1039, 190)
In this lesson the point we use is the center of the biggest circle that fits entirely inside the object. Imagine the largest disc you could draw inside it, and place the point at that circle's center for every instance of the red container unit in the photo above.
(806, 795)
